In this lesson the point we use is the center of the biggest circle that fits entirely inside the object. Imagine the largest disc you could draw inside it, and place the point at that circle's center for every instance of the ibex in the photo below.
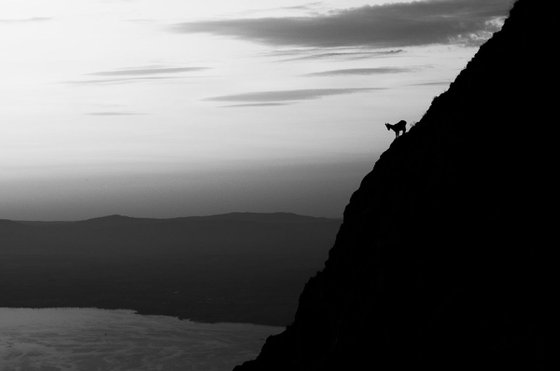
(397, 128)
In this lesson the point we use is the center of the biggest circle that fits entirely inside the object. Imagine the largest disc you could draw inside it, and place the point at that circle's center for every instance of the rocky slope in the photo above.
(439, 262)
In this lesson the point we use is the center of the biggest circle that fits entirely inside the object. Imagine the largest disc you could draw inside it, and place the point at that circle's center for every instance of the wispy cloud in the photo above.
(141, 74)
(431, 83)
(114, 113)
(349, 55)
(118, 80)
(286, 96)
(308, 6)
(364, 71)
(24, 20)
(256, 105)
(148, 71)
(380, 26)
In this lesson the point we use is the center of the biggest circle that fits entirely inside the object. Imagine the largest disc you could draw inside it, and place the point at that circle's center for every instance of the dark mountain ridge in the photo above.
(440, 261)
(237, 267)
(233, 216)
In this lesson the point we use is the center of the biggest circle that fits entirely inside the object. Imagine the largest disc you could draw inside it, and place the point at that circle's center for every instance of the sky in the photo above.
(165, 108)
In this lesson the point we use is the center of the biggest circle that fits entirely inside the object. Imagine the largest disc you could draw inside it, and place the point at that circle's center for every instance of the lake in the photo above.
(95, 339)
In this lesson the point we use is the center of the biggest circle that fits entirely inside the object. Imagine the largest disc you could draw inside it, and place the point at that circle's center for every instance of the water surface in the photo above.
(95, 339)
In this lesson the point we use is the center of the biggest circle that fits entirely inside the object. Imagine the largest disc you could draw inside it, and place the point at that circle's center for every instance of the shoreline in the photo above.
(195, 319)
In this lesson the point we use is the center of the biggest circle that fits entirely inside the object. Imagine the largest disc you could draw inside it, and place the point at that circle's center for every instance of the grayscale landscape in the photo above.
(287, 185)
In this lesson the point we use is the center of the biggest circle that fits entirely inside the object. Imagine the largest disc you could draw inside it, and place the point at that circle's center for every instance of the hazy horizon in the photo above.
(141, 217)
(154, 109)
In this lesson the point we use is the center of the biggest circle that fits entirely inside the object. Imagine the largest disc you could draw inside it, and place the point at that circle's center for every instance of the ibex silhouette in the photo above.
(397, 128)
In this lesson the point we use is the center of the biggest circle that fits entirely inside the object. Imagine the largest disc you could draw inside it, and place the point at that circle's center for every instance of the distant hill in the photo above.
(238, 267)
(443, 261)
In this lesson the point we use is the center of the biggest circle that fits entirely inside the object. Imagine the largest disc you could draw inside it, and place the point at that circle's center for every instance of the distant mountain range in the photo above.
(237, 267)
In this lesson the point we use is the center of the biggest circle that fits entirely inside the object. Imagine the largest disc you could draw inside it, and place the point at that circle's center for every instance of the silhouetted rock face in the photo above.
(438, 264)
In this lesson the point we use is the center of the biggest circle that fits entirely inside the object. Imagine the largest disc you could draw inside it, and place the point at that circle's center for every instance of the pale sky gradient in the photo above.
(172, 108)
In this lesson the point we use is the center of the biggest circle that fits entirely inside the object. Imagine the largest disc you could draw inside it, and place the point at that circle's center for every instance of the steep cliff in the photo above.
(439, 262)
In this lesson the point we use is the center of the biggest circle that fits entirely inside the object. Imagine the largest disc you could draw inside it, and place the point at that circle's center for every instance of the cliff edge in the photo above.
(439, 262)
